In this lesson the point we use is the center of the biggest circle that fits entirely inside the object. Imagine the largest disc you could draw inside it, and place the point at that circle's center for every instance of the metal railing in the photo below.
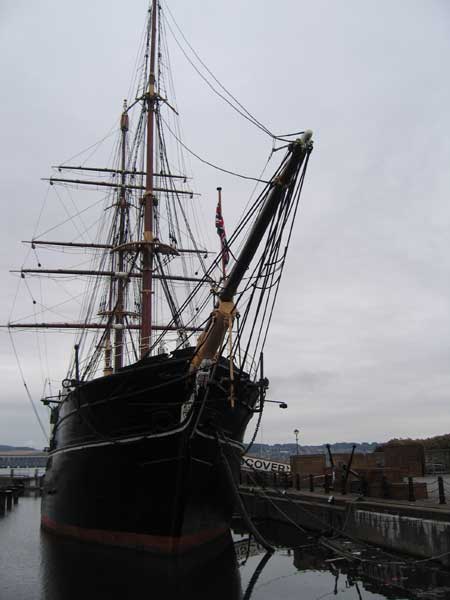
(436, 490)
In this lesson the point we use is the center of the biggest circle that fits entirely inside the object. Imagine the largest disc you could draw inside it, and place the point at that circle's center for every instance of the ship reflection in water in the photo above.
(308, 569)
(78, 571)
(236, 570)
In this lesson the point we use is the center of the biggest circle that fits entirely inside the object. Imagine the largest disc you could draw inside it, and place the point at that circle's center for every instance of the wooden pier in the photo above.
(12, 487)
(9, 497)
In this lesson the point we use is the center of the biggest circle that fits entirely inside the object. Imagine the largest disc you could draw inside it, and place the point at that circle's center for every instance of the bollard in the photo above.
(311, 483)
(297, 481)
(343, 484)
(385, 487)
(411, 496)
(16, 495)
(326, 484)
(2, 503)
(364, 487)
(441, 490)
(9, 499)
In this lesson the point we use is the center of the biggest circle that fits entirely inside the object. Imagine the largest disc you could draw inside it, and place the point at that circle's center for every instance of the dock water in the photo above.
(35, 565)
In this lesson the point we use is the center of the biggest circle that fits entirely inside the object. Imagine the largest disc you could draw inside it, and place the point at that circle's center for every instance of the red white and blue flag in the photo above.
(220, 227)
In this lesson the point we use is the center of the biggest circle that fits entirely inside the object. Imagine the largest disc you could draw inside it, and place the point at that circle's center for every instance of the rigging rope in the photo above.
(109, 134)
(242, 111)
(36, 414)
(210, 164)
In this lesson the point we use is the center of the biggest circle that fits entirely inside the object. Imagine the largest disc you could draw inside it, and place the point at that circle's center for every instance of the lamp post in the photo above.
(296, 432)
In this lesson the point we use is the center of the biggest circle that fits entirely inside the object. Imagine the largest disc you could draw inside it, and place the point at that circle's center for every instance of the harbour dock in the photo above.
(417, 527)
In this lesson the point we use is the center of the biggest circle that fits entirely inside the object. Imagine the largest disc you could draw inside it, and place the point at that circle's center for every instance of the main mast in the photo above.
(147, 247)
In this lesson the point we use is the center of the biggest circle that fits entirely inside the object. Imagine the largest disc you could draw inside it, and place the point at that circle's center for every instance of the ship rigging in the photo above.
(168, 366)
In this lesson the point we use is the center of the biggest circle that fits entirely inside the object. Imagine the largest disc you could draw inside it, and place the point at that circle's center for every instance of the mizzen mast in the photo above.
(121, 282)
(148, 200)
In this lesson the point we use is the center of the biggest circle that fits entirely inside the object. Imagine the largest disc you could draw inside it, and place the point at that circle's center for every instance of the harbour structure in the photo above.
(23, 459)
(416, 526)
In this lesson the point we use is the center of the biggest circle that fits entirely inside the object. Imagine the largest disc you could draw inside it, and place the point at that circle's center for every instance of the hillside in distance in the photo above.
(284, 451)
(441, 442)
(4, 448)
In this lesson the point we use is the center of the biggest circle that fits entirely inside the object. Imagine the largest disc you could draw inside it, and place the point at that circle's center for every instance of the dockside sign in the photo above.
(259, 464)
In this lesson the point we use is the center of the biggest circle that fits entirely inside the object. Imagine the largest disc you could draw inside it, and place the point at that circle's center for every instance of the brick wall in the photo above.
(360, 460)
(306, 464)
(409, 458)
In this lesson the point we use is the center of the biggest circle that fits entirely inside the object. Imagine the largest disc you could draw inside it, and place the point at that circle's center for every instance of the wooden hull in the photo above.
(126, 469)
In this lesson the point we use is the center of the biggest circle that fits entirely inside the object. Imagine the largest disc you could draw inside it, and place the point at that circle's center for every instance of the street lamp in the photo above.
(296, 432)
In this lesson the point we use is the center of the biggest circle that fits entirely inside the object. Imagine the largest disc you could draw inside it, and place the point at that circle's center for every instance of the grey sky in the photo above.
(360, 345)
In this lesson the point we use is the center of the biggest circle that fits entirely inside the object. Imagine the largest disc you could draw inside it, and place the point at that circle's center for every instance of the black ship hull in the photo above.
(137, 458)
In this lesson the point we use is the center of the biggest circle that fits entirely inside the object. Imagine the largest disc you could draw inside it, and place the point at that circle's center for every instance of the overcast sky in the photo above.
(360, 343)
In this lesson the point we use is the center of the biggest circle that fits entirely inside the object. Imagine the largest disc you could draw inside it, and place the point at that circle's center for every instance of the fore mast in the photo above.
(222, 317)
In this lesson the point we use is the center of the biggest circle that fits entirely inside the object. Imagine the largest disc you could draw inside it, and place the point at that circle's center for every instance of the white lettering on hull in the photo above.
(259, 464)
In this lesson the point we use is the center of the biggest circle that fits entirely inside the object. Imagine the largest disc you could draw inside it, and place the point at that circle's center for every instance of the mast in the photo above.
(121, 282)
(299, 150)
(222, 317)
(147, 250)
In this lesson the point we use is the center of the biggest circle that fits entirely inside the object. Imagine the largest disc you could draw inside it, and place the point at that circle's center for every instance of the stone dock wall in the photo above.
(419, 531)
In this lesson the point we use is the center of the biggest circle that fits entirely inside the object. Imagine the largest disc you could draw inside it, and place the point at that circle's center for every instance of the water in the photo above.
(22, 471)
(35, 565)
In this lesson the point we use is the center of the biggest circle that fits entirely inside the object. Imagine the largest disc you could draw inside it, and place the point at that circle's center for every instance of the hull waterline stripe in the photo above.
(156, 543)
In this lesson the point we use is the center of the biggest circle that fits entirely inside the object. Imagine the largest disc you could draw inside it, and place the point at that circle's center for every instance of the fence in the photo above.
(412, 490)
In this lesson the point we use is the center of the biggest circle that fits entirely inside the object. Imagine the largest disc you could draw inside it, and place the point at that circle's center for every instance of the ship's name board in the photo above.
(259, 464)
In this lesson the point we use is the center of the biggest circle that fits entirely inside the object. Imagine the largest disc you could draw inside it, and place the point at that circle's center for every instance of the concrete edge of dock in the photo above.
(419, 531)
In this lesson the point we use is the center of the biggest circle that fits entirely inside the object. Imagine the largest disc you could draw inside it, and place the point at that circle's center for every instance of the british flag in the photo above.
(220, 227)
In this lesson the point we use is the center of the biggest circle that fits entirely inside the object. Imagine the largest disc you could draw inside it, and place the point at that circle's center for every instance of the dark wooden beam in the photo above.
(105, 246)
(128, 186)
(91, 326)
(109, 274)
(117, 171)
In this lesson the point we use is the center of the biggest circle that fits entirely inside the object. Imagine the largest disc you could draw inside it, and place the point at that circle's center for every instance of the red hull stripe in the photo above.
(139, 541)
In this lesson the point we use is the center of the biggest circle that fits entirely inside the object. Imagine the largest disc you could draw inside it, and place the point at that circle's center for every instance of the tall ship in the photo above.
(166, 368)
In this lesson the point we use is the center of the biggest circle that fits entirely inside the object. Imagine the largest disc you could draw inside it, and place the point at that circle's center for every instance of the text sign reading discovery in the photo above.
(260, 464)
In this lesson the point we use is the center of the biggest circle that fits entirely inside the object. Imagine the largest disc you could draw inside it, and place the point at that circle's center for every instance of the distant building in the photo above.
(17, 459)
(437, 460)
